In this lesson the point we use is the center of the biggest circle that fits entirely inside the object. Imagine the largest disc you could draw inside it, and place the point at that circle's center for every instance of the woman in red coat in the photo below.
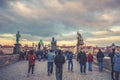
(31, 61)
(90, 60)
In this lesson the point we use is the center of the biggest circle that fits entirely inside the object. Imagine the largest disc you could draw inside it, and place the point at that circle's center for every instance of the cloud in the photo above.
(100, 32)
(3, 3)
(115, 29)
(103, 41)
(7, 35)
(44, 19)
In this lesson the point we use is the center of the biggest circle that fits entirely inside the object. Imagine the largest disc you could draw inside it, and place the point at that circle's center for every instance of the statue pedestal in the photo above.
(17, 48)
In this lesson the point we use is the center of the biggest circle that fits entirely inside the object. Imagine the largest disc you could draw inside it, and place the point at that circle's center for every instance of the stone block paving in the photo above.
(18, 71)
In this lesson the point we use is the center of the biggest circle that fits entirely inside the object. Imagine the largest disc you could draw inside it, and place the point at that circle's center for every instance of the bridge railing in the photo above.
(8, 59)
(106, 62)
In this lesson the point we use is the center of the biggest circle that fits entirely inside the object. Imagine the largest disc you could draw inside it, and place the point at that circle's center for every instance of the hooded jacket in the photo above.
(116, 61)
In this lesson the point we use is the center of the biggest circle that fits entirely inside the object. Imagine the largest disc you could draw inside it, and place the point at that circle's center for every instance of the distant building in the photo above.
(65, 48)
(26, 48)
(7, 49)
(109, 48)
(87, 49)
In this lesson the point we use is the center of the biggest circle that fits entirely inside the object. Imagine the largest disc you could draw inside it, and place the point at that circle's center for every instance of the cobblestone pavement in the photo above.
(18, 71)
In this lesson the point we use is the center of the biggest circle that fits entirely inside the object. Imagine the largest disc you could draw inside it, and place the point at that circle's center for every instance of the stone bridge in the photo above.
(18, 71)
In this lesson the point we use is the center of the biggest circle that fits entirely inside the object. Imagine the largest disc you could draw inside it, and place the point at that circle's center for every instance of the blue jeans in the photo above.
(58, 73)
(39, 57)
(50, 67)
(116, 75)
(83, 68)
(100, 65)
(70, 62)
(90, 66)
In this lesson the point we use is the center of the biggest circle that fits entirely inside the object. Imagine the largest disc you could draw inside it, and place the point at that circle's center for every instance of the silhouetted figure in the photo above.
(82, 58)
(100, 57)
(59, 61)
(111, 55)
(53, 44)
(18, 37)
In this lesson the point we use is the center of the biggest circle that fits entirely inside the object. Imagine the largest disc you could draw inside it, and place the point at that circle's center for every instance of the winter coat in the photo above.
(31, 59)
(82, 58)
(111, 55)
(100, 56)
(59, 60)
(90, 58)
(51, 56)
(116, 61)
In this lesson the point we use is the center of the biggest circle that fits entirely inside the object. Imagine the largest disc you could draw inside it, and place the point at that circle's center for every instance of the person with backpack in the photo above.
(90, 60)
(31, 61)
(59, 61)
(116, 68)
(82, 58)
(70, 62)
(51, 56)
(100, 57)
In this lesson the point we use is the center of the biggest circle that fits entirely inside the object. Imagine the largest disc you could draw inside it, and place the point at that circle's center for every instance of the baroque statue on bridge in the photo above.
(79, 41)
(40, 44)
(18, 37)
(53, 44)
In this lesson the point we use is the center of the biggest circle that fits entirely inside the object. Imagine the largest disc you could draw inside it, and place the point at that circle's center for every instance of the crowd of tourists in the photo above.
(59, 58)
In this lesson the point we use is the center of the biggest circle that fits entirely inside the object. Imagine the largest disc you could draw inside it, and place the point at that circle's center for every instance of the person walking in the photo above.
(100, 57)
(90, 60)
(111, 55)
(70, 62)
(82, 58)
(51, 56)
(31, 61)
(116, 67)
(59, 61)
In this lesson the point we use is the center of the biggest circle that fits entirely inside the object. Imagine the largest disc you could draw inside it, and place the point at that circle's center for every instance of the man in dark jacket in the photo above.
(82, 58)
(59, 61)
(111, 55)
(100, 57)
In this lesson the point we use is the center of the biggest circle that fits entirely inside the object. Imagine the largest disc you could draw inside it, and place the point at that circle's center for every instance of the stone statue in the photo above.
(79, 41)
(17, 49)
(53, 44)
(40, 44)
(18, 37)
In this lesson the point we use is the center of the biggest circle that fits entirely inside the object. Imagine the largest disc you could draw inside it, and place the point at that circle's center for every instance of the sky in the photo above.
(98, 21)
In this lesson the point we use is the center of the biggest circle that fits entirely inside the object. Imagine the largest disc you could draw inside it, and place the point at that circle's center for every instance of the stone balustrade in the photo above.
(106, 62)
(8, 59)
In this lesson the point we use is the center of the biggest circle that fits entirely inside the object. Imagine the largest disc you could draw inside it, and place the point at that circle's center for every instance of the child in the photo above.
(31, 61)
